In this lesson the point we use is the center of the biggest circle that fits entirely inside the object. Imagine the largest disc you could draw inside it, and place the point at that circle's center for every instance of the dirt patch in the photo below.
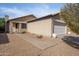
(17, 46)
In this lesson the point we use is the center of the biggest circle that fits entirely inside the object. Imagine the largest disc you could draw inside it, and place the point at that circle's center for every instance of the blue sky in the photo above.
(21, 9)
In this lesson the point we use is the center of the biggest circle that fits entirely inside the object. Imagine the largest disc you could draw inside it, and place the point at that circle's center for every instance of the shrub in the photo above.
(23, 32)
(39, 36)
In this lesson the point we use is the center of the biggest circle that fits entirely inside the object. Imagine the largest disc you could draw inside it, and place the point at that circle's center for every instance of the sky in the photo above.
(14, 10)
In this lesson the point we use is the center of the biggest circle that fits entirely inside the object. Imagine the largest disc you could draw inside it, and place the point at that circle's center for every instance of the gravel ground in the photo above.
(16, 46)
(62, 49)
(11, 45)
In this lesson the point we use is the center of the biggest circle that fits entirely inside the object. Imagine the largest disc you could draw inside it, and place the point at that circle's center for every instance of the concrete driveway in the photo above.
(38, 42)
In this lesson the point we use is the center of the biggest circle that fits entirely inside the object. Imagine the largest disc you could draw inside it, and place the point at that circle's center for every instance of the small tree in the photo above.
(2, 24)
(2, 21)
(70, 14)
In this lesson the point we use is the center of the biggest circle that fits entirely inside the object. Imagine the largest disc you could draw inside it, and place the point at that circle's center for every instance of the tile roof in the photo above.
(48, 16)
(24, 18)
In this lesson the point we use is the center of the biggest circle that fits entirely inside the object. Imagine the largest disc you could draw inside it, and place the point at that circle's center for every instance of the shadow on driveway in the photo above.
(3, 38)
(72, 41)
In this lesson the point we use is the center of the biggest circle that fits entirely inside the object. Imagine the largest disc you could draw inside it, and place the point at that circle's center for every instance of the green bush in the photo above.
(2, 22)
(23, 32)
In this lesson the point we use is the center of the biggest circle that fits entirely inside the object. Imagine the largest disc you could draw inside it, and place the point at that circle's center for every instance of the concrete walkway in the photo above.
(42, 44)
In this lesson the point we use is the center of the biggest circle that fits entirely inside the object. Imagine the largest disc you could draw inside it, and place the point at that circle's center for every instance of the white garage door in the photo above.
(59, 29)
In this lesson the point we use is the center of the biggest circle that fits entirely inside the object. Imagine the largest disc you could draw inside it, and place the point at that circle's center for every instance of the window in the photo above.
(23, 26)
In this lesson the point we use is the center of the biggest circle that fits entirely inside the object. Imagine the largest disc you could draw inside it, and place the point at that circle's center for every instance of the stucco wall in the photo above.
(41, 27)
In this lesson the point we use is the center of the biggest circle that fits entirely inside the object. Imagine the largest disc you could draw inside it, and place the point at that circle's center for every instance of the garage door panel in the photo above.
(59, 29)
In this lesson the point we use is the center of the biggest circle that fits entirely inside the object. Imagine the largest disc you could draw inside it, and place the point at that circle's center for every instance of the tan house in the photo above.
(46, 26)
(19, 24)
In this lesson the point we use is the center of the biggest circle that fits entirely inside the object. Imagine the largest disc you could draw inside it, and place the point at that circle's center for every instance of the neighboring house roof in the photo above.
(24, 18)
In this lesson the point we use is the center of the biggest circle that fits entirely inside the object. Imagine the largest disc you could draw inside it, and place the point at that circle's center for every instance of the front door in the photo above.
(15, 27)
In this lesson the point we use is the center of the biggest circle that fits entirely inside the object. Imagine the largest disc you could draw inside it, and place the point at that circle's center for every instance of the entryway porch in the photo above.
(17, 27)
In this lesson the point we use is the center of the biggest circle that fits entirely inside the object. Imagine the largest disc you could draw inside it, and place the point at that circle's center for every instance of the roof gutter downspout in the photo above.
(52, 27)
